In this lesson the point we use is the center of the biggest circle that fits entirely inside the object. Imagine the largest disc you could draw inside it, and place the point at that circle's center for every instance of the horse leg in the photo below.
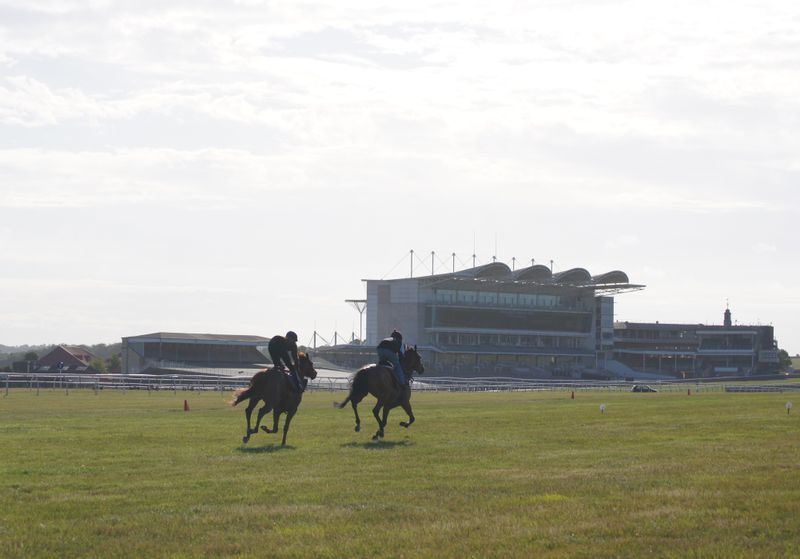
(386, 410)
(379, 434)
(289, 416)
(261, 412)
(355, 411)
(276, 416)
(250, 405)
(406, 404)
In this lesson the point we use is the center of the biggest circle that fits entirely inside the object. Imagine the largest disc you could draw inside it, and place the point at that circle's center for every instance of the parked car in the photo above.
(642, 388)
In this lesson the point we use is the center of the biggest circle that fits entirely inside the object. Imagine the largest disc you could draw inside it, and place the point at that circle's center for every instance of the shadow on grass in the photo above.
(380, 445)
(266, 449)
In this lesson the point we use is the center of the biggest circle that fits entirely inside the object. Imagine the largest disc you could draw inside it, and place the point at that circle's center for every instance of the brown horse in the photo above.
(382, 383)
(277, 390)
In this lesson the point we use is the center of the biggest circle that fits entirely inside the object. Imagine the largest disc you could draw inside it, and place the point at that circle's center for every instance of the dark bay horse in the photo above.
(275, 388)
(382, 383)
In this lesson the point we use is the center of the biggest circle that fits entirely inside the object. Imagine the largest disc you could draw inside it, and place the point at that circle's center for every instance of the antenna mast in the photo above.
(360, 305)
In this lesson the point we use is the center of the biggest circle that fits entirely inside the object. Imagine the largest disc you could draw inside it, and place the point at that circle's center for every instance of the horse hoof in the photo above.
(358, 428)
(265, 429)
(404, 424)
(245, 439)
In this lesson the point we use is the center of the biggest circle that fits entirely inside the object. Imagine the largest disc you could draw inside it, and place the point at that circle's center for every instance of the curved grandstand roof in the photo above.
(617, 276)
(539, 272)
(497, 270)
(575, 275)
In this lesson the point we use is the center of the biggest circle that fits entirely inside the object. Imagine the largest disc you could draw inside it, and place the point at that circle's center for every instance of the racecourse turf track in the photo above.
(526, 474)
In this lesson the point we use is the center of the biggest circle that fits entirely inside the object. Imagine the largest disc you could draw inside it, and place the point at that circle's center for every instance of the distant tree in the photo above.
(98, 365)
(31, 356)
(105, 350)
(114, 362)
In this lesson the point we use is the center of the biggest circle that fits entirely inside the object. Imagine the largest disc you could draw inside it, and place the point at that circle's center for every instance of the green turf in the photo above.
(478, 475)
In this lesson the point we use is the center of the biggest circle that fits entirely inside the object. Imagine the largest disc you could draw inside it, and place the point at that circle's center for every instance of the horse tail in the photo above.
(343, 404)
(241, 394)
(256, 385)
(358, 389)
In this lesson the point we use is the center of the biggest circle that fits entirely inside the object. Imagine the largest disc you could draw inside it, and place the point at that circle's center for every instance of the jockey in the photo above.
(283, 352)
(391, 349)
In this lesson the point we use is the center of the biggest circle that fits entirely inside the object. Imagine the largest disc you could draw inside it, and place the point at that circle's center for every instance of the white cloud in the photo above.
(765, 248)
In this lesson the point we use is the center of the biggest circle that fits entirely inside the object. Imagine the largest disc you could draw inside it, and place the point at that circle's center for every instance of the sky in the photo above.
(240, 167)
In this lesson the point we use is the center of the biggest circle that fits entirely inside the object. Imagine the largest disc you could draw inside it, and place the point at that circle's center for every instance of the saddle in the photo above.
(288, 374)
(282, 369)
(386, 364)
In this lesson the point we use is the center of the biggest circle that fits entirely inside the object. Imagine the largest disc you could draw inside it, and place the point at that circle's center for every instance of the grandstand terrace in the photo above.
(165, 352)
(492, 320)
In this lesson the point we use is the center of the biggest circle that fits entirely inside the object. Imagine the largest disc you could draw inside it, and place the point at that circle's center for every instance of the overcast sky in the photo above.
(239, 168)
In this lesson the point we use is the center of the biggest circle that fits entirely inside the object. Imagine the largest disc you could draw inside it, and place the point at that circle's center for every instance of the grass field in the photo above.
(478, 475)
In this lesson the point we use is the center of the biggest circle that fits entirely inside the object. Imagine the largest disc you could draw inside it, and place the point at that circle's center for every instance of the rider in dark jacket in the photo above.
(284, 349)
(391, 349)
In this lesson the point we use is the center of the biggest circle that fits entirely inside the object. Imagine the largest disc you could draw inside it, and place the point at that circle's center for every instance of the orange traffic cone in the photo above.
(185, 405)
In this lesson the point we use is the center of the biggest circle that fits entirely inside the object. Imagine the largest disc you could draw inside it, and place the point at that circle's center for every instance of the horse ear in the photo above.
(415, 347)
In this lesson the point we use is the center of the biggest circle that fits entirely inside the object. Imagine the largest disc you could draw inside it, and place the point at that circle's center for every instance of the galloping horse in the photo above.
(382, 383)
(279, 395)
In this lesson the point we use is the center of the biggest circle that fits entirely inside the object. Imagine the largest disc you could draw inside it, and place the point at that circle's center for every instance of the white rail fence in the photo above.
(190, 382)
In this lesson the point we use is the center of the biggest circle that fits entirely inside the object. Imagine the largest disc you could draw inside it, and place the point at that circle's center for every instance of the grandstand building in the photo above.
(697, 350)
(491, 320)
(163, 352)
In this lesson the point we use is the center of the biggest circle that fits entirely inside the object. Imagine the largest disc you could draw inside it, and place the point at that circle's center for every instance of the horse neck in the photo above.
(406, 362)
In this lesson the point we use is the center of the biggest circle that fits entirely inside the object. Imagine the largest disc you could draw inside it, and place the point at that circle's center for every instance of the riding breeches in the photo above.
(392, 358)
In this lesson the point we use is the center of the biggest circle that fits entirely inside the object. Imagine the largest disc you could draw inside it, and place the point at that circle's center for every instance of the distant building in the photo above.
(697, 350)
(163, 352)
(67, 359)
(491, 320)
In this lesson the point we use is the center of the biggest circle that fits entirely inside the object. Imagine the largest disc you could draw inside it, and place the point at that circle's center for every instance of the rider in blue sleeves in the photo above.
(391, 349)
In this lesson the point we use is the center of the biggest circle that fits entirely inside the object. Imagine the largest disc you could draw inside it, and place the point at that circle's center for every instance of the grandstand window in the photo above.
(465, 296)
(449, 339)
(529, 341)
(445, 295)
(547, 300)
(509, 299)
(496, 319)
(487, 297)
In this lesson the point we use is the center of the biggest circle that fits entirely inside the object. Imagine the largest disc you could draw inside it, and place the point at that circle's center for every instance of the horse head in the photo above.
(412, 361)
(306, 366)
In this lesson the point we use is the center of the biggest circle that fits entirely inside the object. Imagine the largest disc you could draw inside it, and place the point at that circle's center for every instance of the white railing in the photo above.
(185, 382)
